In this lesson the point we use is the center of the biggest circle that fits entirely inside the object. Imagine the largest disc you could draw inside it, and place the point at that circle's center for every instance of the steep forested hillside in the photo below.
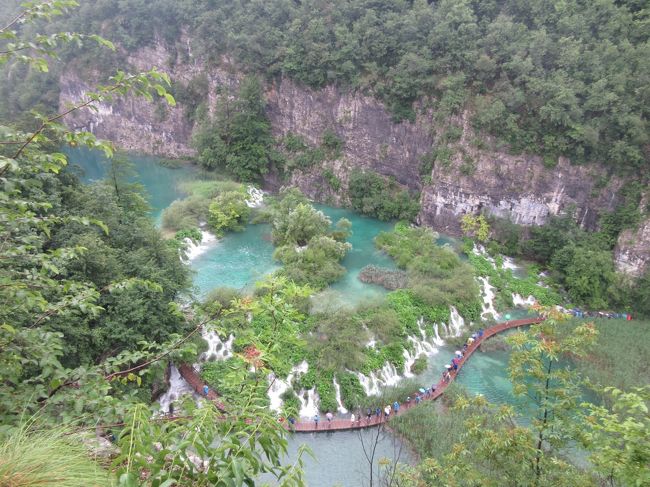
(554, 78)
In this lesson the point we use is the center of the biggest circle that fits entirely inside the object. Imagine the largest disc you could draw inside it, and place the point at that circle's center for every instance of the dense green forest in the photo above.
(555, 78)
(95, 303)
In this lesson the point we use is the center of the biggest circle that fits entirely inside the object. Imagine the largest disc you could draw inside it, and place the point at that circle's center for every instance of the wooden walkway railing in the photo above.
(310, 426)
(192, 378)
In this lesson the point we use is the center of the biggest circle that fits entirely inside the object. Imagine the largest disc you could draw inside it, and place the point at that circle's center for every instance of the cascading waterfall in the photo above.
(255, 197)
(337, 389)
(279, 386)
(217, 349)
(308, 406)
(488, 299)
(509, 263)
(437, 340)
(308, 399)
(518, 300)
(193, 250)
(456, 322)
(421, 346)
(177, 388)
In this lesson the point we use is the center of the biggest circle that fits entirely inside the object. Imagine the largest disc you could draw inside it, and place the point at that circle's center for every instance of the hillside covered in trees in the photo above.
(554, 78)
(97, 302)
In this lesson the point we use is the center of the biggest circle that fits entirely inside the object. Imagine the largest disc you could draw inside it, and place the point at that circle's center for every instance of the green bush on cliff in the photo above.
(374, 195)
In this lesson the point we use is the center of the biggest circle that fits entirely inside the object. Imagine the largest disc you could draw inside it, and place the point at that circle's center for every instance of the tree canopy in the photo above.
(555, 78)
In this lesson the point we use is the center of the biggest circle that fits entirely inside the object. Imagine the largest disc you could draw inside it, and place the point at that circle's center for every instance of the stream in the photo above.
(240, 259)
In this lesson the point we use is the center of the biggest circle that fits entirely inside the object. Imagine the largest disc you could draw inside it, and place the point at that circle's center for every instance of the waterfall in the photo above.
(369, 383)
(275, 391)
(309, 406)
(480, 250)
(456, 322)
(518, 300)
(255, 197)
(193, 250)
(177, 388)
(509, 263)
(217, 349)
(421, 346)
(337, 388)
(279, 386)
(437, 340)
(488, 299)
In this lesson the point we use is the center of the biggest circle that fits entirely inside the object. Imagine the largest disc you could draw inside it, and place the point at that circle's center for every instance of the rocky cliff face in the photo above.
(472, 179)
(631, 254)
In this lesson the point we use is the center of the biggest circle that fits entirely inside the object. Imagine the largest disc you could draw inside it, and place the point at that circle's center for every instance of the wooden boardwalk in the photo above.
(323, 426)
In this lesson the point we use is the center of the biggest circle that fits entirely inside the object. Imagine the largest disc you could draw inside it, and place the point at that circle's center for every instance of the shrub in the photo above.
(420, 365)
(387, 278)
(372, 194)
(228, 212)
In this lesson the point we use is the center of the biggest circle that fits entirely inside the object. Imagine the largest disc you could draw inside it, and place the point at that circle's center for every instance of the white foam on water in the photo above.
(478, 249)
(487, 291)
(422, 345)
(217, 348)
(437, 340)
(337, 389)
(509, 263)
(193, 250)
(255, 197)
(518, 300)
(279, 386)
(177, 387)
(308, 406)
(456, 322)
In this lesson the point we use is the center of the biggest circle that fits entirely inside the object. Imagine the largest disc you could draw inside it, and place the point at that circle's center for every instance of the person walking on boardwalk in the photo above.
(368, 414)
(206, 389)
(316, 419)
(352, 418)
(396, 407)
(378, 412)
(329, 416)
(387, 411)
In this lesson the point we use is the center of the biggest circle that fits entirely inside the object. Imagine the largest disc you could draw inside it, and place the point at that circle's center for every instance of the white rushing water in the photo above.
(280, 386)
(217, 348)
(456, 322)
(437, 340)
(309, 401)
(177, 388)
(518, 300)
(193, 250)
(487, 292)
(422, 345)
(255, 197)
(509, 263)
(337, 389)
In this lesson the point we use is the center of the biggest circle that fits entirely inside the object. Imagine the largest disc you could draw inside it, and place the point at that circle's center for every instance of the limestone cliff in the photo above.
(477, 177)
(631, 252)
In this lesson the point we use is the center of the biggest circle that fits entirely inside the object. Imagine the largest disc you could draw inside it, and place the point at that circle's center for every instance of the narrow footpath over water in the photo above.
(311, 426)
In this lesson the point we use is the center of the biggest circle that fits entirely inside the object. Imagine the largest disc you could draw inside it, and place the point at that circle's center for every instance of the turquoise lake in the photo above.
(240, 259)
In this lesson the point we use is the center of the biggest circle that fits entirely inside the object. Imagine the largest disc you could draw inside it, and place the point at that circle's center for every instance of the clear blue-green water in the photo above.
(339, 459)
(240, 259)
(237, 260)
(162, 184)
